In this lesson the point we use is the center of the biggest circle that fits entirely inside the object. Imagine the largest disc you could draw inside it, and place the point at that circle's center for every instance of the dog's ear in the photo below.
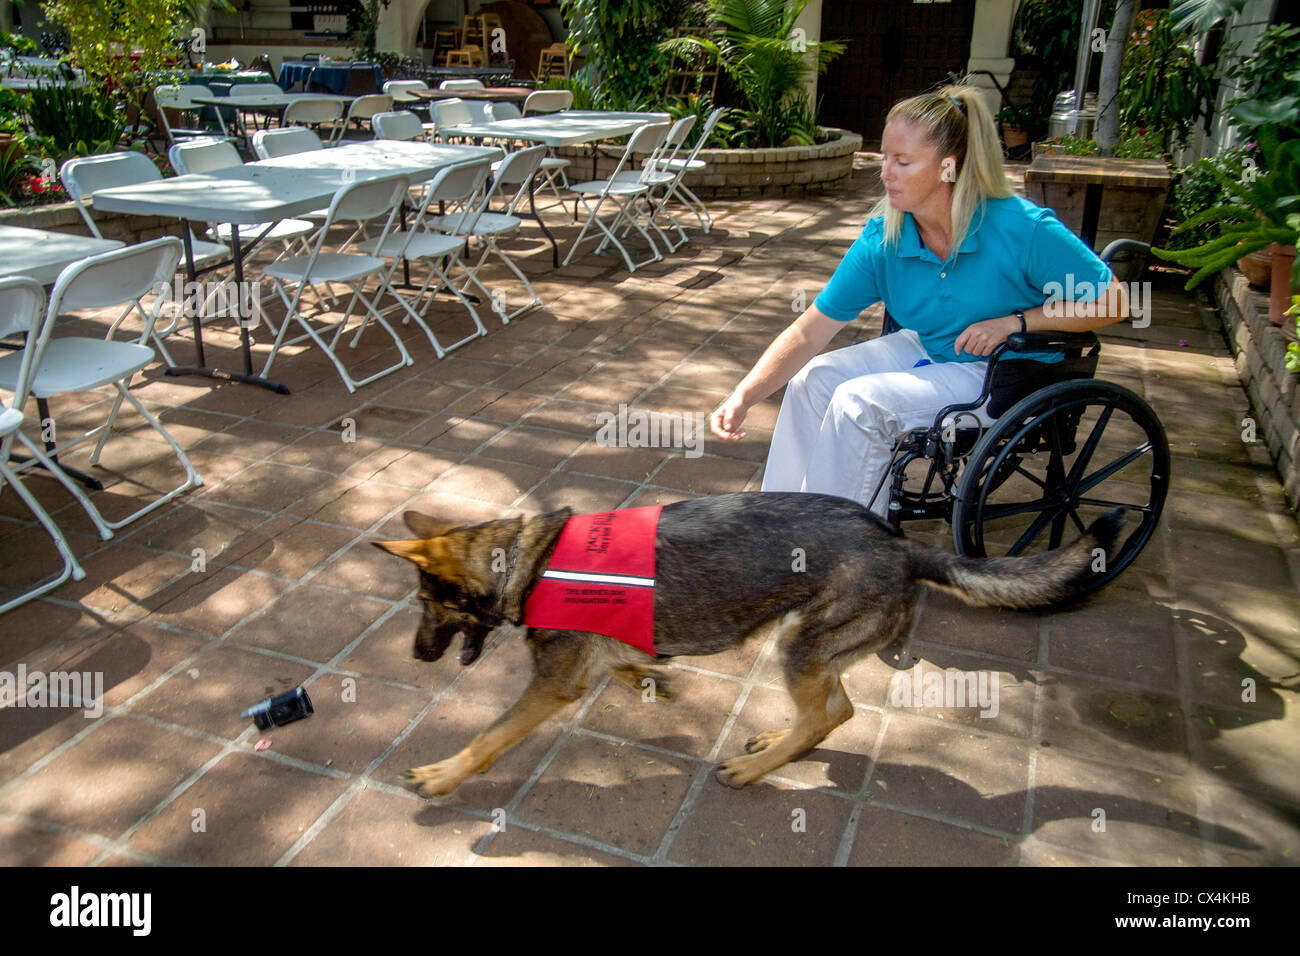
(536, 542)
(430, 555)
(426, 526)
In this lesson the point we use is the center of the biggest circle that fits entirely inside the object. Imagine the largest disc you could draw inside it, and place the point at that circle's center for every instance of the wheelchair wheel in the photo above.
(1056, 461)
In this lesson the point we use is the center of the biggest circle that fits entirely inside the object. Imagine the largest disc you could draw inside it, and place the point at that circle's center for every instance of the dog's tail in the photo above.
(1035, 581)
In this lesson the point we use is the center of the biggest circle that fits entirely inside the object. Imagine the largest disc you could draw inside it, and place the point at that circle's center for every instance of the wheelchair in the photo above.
(1063, 448)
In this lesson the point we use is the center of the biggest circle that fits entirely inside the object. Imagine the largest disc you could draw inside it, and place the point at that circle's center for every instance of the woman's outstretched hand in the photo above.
(726, 419)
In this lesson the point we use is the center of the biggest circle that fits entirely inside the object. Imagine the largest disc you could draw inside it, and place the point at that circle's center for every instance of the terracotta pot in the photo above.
(1279, 296)
(1014, 136)
(1257, 267)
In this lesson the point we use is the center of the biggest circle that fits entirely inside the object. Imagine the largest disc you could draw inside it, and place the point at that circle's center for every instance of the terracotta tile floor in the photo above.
(1126, 711)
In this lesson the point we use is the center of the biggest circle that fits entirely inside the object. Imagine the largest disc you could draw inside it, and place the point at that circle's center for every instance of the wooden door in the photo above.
(895, 49)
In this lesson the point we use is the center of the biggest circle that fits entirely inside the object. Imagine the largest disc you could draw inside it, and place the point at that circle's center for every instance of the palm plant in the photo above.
(766, 57)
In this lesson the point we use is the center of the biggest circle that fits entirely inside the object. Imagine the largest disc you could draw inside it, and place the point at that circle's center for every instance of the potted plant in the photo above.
(1016, 119)
(1264, 209)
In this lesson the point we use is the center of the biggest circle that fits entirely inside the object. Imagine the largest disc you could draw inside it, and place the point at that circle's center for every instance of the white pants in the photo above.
(845, 409)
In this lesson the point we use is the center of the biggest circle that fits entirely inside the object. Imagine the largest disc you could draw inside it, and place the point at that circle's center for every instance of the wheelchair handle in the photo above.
(1123, 245)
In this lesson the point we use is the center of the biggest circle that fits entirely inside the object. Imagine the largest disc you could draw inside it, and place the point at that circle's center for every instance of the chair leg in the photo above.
(71, 569)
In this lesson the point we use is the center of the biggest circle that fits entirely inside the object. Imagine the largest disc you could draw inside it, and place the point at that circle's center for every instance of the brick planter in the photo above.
(1260, 349)
(733, 173)
(63, 217)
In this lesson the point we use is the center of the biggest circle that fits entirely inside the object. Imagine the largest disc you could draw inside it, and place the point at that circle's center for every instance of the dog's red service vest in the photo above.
(601, 578)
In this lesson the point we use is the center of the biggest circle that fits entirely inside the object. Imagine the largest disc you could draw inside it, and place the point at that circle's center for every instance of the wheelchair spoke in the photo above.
(1099, 503)
(1035, 528)
(1074, 516)
(1034, 478)
(991, 512)
(1085, 453)
(1097, 477)
(1058, 530)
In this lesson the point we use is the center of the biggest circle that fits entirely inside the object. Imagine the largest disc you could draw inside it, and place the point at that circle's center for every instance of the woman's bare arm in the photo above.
(790, 351)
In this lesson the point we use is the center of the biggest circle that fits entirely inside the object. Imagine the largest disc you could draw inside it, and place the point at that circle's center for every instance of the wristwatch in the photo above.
(1020, 314)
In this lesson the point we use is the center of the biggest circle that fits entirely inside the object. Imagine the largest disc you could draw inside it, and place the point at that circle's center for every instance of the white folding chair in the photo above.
(448, 114)
(22, 303)
(679, 190)
(83, 176)
(313, 112)
(50, 366)
(180, 99)
(358, 202)
(554, 173)
(657, 172)
(461, 85)
(502, 111)
(625, 195)
(513, 175)
(272, 143)
(362, 108)
(397, 124)
(460, 184)
(547, 101)
(400, 90)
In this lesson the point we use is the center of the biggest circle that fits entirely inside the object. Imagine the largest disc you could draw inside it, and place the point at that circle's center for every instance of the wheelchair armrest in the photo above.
(1049, 341)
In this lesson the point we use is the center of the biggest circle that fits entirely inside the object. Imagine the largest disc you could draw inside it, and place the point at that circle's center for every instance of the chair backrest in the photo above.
(398, 124)
(502, 111)
(203, 156)
(109, 279)
(547, 101)
(175, 97)
(83, 176)
(22, 303)
(253, 89)
(646, 140)
(480, 111)
(363, 201)
(706, 132)
(311, 111)
(514, 172)
(461, 85)
(454, 112)
(400, 90)
(458, 185)
(672, 144)
(270, 143)
(365, 107)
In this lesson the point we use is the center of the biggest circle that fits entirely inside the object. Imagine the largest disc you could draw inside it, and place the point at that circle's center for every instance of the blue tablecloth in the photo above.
(333, 76)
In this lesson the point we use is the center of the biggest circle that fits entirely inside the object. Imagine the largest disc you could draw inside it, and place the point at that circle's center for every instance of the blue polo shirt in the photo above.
(1008, 261)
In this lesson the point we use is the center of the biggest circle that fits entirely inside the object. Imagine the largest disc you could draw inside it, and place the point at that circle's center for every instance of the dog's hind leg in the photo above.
(636, 677)
(542, 699)
(822, 706)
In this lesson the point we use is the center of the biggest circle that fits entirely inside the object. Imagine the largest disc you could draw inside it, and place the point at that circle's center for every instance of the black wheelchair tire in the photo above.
(1064, 484)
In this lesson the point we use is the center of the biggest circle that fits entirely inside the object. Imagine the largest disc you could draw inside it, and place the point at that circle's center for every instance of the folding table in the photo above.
(267, 192)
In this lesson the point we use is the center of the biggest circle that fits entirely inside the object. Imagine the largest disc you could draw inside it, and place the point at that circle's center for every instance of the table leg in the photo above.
(532, 208)
(1091, 214)
(202, 368)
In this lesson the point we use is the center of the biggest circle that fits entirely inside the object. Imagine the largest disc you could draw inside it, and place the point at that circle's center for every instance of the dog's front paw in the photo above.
(738, 771)
(767, 738)
(435, 779)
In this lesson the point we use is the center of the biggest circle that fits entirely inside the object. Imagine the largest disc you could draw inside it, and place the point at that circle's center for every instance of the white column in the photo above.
(990, 42)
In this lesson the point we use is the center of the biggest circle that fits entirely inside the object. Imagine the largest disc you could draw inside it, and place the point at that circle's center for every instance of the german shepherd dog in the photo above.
(723, 569)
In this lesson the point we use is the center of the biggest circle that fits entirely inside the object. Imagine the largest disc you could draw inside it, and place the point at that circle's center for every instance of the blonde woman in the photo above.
(960, 264)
